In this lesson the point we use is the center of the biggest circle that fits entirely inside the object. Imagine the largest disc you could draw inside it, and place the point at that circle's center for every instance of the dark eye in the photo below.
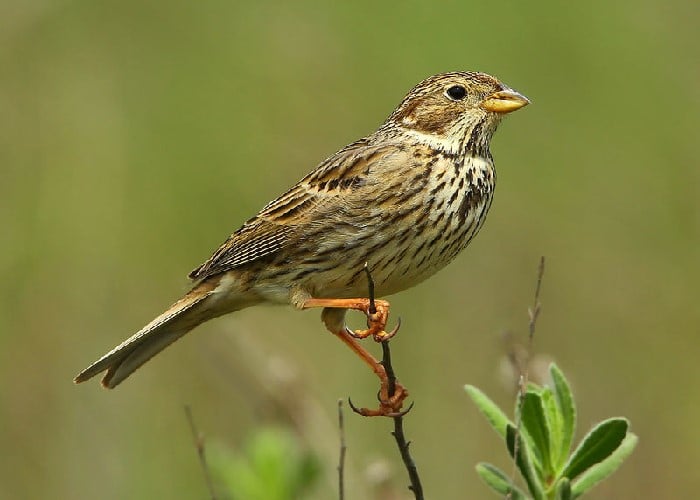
(456, 92)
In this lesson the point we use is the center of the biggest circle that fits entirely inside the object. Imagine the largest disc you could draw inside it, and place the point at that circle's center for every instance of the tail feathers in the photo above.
(127, 357)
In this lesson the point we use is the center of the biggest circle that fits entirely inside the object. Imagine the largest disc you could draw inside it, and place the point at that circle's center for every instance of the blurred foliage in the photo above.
(272, 466)
(135, 136)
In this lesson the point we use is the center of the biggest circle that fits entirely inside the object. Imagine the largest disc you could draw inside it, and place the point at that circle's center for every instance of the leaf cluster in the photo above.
(542, 440)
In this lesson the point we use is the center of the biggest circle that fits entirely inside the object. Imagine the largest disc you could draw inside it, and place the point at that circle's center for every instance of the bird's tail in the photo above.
(185, 314)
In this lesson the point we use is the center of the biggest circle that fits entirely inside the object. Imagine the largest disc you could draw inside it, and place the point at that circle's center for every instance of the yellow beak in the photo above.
(504, 101)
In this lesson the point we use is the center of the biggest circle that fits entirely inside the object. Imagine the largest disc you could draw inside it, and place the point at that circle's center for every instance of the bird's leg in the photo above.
(377, 312)
(333, 318)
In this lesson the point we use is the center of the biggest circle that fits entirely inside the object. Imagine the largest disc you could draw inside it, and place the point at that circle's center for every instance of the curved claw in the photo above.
(365, 412)
(353, 334)
(381, 336)
(402, 412)
(385, 336)
(357, 334)
(353, 407)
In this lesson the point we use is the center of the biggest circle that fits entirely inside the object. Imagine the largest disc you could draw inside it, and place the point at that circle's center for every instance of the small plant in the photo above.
(542, 442)
(273, 466)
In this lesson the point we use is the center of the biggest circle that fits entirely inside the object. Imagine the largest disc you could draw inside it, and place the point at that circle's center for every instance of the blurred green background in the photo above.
(135, 136)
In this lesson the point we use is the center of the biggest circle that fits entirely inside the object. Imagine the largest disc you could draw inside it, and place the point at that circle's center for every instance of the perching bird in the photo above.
(405, 199)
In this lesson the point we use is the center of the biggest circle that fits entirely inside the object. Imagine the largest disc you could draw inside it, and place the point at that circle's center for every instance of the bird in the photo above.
(398, 204)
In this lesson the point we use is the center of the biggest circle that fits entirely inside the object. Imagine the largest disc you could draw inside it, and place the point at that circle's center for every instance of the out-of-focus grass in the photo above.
(135, 136)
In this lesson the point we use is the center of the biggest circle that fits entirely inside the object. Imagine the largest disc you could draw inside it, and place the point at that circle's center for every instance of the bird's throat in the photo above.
(463, 139)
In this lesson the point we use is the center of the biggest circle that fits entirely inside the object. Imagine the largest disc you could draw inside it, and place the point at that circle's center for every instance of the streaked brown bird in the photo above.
(405, 200)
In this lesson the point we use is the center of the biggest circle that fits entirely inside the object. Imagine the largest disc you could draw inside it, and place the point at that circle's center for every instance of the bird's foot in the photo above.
(377, 313)
(389, 406)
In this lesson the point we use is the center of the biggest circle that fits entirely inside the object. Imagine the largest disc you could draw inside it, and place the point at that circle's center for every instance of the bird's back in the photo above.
(407, 213)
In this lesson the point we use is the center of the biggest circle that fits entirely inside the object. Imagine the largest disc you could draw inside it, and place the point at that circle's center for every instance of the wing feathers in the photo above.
(282, 220)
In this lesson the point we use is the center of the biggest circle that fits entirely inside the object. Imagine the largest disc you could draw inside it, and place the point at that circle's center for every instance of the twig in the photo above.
(533, 313)
(398, 433)
(343, 448)
(199, 445)
(370, 287)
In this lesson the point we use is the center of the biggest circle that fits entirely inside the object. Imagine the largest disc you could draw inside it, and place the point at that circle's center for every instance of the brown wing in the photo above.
(278, 223)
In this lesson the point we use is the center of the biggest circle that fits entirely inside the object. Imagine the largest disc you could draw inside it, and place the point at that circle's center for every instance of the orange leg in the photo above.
(333, 316)
(376, 319)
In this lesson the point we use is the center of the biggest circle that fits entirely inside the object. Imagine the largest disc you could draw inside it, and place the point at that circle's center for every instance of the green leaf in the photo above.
(598, 444)
(533, 387)
(524, 462)
(488, 408)
(563, 490)
(497, 479)
(600, 471)
(533, 451)
(535, 423)
(567, 409)
(555, 425)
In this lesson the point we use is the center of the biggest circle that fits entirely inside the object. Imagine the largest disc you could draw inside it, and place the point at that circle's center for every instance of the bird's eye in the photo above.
(456, 92)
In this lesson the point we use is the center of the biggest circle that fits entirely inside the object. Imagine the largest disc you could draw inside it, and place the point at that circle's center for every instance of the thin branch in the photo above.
(199, 445)
(398, 433)
(370, 286)
(343, 448)
(533, 313)
(416, 487)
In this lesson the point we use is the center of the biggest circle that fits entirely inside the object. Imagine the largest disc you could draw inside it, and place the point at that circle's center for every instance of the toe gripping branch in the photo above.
(377, 312)
(390, 396)
(376, 322)
(391, 393)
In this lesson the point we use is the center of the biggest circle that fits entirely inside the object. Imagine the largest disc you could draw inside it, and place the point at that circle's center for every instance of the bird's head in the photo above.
(454, 111)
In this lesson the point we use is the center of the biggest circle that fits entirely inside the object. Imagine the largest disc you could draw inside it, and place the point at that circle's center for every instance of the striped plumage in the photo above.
(405, 199)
